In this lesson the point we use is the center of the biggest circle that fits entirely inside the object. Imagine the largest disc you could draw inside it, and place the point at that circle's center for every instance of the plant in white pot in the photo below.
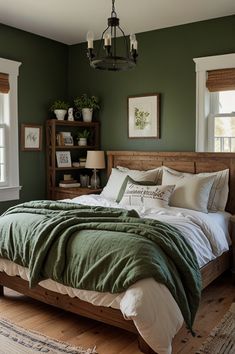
(86, 105)
(83, 136)
(60, 109)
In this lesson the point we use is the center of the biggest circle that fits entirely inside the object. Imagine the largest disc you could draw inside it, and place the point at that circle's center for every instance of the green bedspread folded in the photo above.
(100, 249)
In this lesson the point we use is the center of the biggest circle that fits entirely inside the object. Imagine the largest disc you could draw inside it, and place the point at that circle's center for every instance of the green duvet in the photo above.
(100, 249)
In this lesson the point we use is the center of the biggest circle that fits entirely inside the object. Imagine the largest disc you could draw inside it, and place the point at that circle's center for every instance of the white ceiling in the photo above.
(68, 21)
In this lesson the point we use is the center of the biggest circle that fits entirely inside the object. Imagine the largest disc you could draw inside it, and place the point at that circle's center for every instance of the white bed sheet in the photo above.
(150, 304)
(207, 233)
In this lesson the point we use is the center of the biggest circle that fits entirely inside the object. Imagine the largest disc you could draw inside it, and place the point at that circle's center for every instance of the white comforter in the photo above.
(148, 303)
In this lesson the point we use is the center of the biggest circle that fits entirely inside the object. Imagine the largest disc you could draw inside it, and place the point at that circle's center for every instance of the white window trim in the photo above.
(204, 64)
(11, 192)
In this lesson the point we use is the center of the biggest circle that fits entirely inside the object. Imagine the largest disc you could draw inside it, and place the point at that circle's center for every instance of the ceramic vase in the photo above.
(87, 114)
(60, 113)
(82, 141)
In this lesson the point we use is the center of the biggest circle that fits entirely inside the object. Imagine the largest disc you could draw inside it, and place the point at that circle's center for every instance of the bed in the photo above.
(16, 278)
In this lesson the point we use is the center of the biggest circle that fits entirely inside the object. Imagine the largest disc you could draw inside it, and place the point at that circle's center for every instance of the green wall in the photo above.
(51, 70)
(165, 66)
(43, 78)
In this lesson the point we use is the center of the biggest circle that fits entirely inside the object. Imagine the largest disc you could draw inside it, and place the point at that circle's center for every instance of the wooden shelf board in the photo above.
(72, 124)
(74, 147)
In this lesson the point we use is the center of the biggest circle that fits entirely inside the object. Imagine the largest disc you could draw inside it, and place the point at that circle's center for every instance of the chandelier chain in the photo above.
(113, 13)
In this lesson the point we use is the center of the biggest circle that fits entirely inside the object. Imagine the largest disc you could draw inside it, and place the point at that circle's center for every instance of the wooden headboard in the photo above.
(193, 162)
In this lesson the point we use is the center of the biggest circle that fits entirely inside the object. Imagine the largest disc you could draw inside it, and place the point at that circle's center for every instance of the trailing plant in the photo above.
(59, 105)
(85, 101)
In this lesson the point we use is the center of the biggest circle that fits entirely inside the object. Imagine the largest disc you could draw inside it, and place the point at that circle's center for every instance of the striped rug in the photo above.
(17, 340)
(222, 339)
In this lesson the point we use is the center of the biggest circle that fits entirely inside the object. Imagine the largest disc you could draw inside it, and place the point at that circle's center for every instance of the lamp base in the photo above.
(95, 180)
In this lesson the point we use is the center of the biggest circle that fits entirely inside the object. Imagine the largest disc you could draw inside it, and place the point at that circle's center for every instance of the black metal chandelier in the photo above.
(107, 57)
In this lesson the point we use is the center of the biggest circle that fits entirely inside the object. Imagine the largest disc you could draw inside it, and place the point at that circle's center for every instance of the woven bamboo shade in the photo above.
(4, 83)
(221, 80)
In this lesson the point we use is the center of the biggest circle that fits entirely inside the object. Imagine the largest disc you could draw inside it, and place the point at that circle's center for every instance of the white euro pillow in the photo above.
(219, 191)
(153, 175)
(191, 191)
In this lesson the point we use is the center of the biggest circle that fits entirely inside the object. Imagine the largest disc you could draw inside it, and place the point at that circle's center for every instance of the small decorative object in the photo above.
(143, 116)
(70, 114)
(82, 161)
(83, 136)
(110, 56)
(63, 159)
(60, 109)
(95, 160)
(31, 137)
(87, 105)
(76, 164)
(84, 179)
(67, 139)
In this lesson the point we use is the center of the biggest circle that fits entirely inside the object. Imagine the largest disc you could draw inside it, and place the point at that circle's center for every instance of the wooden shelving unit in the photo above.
(54, 173)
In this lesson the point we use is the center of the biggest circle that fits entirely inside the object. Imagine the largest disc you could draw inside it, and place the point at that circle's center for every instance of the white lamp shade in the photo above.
(95, 159)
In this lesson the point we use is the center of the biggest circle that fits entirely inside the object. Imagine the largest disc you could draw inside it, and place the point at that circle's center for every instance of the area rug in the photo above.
(17, 340)
(222, 339)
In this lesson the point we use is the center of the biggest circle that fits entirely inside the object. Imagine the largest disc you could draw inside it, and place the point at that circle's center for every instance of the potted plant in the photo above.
(83, 136)
(86, 104)
(60, 109)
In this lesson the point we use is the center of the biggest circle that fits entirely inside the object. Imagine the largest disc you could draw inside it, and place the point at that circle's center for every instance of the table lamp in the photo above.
(95, 160)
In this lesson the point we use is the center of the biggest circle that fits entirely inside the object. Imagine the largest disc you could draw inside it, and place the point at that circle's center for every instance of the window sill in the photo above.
(9, 193)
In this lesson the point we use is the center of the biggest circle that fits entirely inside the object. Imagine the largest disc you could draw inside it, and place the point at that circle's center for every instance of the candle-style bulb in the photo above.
(132, 41)
(107, 39)
(135, 45)
(90, 39)
(132, 37)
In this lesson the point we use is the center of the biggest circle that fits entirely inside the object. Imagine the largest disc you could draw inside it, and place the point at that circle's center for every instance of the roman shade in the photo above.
(221, 80)
(4, 83)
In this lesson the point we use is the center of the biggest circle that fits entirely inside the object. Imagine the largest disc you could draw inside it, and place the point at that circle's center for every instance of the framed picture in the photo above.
(67, 139)
(143, 116)
(31, 137)
(63, 159)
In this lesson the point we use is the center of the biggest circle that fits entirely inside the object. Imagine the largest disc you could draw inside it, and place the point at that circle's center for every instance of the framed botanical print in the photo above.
(63, 159)
(143, 116)
(31, 137)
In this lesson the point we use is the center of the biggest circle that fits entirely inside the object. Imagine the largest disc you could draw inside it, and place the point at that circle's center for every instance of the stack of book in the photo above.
(70, 183)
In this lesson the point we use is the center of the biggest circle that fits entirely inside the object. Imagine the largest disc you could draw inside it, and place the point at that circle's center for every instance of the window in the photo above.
(215, 103)
(9, 164)
(221, 121)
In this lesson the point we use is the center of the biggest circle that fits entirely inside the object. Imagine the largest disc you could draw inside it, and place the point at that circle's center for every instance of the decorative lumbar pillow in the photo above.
(191, 191)
(153, 175)
(147, 196)
(129, 179)
(219, 190)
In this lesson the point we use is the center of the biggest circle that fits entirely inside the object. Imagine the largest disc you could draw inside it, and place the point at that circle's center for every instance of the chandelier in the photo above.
(113, 54)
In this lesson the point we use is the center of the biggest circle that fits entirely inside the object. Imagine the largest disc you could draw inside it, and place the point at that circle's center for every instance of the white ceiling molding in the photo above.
(69, 21)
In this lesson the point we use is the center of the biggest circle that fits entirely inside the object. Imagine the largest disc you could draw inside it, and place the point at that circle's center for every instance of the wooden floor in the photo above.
(76, 330)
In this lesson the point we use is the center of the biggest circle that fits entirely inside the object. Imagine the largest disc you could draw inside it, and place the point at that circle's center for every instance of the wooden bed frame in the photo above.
(182, 161)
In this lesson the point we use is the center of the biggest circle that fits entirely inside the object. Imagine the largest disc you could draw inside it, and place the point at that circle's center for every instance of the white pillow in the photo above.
(114, 184)
(153, 175)
(191, 191)
(147, 196)
(219, 190)
(118, 175)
